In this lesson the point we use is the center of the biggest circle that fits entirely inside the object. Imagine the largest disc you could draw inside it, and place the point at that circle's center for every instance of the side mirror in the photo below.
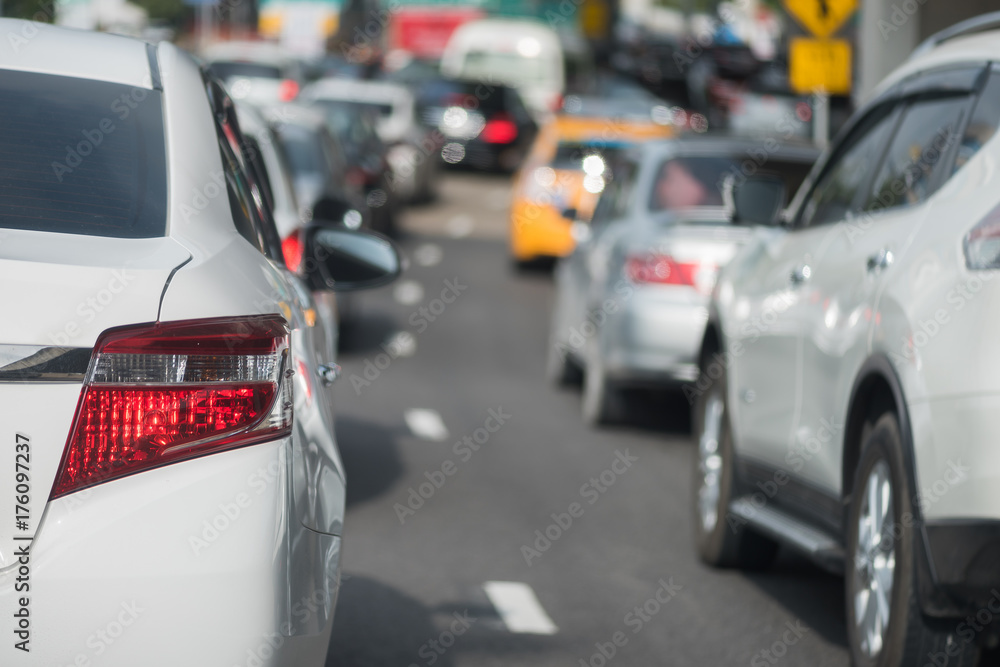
(343, 260)
(759, 201)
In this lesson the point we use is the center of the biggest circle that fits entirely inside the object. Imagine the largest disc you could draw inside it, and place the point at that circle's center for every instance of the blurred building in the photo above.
(889, 30)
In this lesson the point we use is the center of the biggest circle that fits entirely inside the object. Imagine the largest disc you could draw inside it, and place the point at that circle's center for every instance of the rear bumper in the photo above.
(538, 230)
(656, 337)
(194, 563)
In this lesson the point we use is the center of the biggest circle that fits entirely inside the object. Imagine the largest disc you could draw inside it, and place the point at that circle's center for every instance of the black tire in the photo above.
(729, 542)
(560, 370)
(909, 638)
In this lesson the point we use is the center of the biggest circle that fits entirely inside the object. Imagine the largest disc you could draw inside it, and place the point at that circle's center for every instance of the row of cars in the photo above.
(838, 347)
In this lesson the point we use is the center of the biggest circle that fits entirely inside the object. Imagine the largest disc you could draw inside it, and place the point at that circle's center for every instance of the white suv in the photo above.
(849, 397)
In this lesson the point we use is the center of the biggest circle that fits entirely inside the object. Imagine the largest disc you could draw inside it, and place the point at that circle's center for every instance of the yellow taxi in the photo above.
(565, 171)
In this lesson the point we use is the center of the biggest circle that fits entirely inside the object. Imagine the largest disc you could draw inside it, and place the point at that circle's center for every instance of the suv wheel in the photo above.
(722, 541)
(884, 624)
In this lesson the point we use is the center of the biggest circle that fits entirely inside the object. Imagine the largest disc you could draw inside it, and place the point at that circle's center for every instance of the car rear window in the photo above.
(79, 156)
(684, 182)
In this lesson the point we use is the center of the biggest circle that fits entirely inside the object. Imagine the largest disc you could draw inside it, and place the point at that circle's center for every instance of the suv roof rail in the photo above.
(979, 23)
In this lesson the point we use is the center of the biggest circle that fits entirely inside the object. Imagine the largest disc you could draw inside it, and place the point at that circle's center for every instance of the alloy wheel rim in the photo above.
(710, 462)
(874, 560)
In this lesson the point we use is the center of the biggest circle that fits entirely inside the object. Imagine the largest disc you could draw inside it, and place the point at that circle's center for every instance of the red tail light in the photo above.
(288, 90)
(166, 392)
(661, 269)
(499, 130)
(292, 249)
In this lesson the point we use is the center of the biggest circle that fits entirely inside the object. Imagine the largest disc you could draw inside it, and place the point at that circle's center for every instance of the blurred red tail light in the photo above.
(288, 90)
(166, 392)
(499, 129)
(661, 269)
(292, 249)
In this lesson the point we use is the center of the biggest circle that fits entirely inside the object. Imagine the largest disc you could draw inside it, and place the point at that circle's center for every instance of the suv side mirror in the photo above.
(758, 201)
(343, 260)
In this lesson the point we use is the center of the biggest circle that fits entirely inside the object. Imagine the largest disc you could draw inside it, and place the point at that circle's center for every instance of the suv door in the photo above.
(840, 311)
(774, 296)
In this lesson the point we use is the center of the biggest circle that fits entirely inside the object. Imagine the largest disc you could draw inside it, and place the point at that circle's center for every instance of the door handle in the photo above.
(880, 260)
(800, 274)
(328, 373)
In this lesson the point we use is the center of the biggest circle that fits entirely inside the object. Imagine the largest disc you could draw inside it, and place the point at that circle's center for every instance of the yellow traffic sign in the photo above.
(821, 17)
(819, 65)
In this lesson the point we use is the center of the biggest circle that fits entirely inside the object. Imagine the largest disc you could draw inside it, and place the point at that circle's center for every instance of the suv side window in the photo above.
(920, 154)
(850, 166)
(983, 123)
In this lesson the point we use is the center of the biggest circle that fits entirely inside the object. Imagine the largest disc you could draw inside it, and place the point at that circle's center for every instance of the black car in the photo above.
(484, 125)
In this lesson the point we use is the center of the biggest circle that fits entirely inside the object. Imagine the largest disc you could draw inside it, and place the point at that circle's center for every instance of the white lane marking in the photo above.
(461, 225)
(401, 344)
(426, 424)
(408, 292)
(519, 608)
(428, 254)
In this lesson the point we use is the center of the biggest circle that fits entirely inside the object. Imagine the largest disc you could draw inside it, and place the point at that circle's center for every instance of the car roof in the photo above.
(48, 49)
(978, 47)
(720, 145)
(352, 89)
(294, 114)
(264, 53)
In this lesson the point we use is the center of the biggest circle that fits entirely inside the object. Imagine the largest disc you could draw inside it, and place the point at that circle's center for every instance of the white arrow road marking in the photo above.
(426, 424)
(520, 610)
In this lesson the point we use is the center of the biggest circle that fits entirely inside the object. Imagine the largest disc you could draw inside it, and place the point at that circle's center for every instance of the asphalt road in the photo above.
(457, 451)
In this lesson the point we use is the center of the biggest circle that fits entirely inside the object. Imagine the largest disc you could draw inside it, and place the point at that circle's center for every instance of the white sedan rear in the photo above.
(170, 489)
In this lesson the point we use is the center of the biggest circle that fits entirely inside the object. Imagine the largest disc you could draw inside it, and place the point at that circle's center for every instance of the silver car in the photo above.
(632, 299)
(411, 147)
(850, 376)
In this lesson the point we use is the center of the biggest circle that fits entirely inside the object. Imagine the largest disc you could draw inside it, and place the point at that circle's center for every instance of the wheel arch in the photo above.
(877, 388)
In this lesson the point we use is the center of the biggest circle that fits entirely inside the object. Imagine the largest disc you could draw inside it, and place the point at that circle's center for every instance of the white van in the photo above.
(526, 54)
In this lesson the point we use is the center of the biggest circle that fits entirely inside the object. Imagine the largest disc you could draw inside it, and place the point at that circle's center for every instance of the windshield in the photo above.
(509, 67)
(227, 70)
(76, 159)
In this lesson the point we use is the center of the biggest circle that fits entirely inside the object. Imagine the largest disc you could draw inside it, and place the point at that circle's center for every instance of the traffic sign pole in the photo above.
(821, 119)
